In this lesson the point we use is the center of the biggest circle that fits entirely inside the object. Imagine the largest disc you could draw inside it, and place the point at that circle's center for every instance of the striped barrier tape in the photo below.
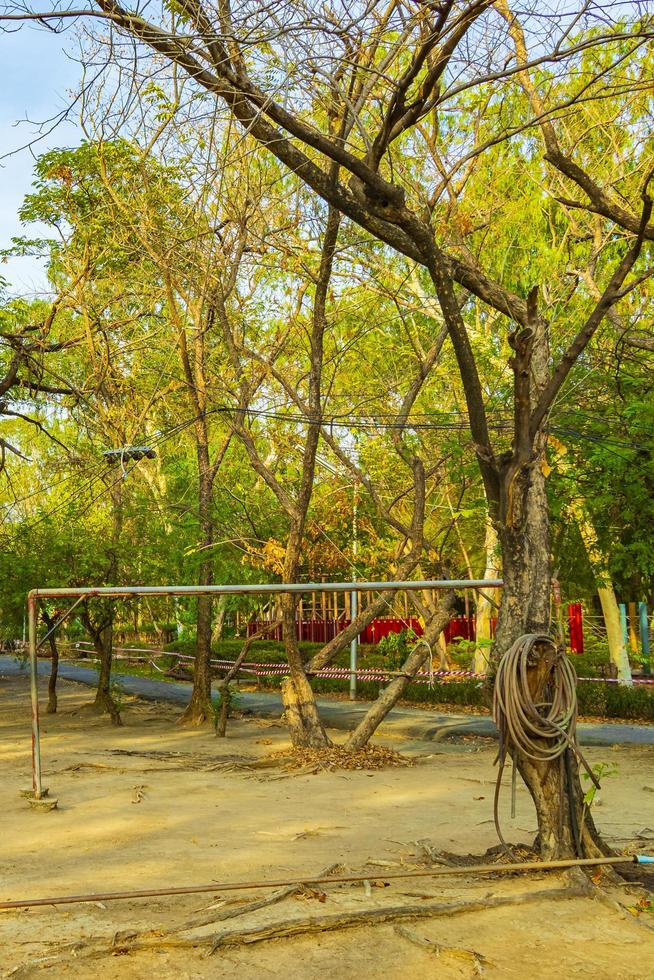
(273, 669)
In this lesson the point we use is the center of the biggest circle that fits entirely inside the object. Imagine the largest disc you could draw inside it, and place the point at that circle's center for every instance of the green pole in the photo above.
(623, 625)
(644, 636)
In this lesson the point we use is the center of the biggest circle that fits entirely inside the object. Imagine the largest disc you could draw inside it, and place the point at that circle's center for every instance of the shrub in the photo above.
(595, 699)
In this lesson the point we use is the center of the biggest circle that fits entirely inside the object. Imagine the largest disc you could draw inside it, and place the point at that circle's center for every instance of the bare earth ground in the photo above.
(129, 821)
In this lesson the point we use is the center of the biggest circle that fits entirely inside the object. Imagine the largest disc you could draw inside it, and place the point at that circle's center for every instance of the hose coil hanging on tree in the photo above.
(540, 731)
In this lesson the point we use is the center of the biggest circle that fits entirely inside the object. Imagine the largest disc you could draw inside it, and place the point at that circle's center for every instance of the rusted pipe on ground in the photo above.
(224, 886)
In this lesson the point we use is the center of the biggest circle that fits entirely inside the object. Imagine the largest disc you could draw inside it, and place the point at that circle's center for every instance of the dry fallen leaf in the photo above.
(138, 794)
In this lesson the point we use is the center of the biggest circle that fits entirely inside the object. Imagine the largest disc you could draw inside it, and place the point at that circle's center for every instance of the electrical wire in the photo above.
(348, 422)
(377, 422)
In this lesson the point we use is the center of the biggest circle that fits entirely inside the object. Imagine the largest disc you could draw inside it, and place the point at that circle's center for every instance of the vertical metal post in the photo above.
(644, 637)
(353, 653)
(34, 691)
(623, 625)
(354, 600)
(633, 639)
(556, 593)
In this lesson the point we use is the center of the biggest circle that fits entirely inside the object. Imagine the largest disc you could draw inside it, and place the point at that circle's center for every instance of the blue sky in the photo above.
(37, 80)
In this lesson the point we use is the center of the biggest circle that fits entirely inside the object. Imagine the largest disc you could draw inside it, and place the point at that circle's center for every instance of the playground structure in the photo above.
(79, 595)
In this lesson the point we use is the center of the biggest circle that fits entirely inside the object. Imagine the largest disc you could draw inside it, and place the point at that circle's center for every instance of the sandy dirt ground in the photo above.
(185, 808)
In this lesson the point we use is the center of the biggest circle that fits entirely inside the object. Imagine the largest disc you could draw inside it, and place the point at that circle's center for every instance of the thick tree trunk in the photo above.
(524, 536)
(617, 649)
(389, 697)
(483, 626)
(219, 624)
(54, 668)
(199, 710)
(103, 643)
(564, 829)
(443, 653)
(614, 635)
(300, 709)
(102, 637)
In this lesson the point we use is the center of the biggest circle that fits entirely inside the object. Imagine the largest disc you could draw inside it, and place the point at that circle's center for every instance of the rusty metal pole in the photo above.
(37, 786)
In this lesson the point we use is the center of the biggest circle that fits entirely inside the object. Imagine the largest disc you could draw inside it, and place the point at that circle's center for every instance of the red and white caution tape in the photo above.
(281, 669)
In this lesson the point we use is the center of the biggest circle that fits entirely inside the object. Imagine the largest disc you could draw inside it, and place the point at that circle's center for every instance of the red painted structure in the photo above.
(321, 631)
(576, 627)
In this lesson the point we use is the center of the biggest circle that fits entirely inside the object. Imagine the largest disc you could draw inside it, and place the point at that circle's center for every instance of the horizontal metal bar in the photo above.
(266, 588)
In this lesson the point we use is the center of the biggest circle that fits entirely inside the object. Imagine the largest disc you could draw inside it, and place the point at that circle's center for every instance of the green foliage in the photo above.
(601, 771)
(118, 695)
(139, 245)
(393, 649)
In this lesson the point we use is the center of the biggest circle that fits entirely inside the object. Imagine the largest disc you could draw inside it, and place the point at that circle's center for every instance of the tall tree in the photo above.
(411, 76)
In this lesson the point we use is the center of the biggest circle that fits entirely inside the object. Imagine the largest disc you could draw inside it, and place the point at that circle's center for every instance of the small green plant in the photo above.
(118, 695)
(216, 702)
(395, 647)
(601, 770)
(465, 646)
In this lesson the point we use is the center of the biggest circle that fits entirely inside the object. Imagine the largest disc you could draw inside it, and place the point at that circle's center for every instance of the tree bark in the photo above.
(565, 828)
(198, 710)
(54, 668)
(522, 520)
(300, 709)
(483, 625)
(101, 632)
(606, 593)
(389, 697)
(525, 541)
(103, 643)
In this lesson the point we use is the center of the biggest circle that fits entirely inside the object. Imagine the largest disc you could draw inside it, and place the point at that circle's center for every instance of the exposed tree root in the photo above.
(593, 889)
(197, 712)
(219, 915)
(459, 952)
(287, 927)
(103, 704)
(347, 920)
